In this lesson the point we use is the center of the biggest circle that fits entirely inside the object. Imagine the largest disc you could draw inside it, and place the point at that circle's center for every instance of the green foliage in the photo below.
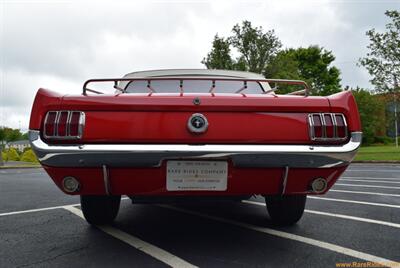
(310, 64)
(383, 59)
(29, 156)
(219, 57)
(12, 154)
(8, 134)
(378, 153)
(383, 140)
(259, 52)
(256, 47)
(4, 156)
(372, 114)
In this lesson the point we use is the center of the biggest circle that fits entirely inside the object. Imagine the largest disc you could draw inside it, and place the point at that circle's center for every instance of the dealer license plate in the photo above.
(197, 175)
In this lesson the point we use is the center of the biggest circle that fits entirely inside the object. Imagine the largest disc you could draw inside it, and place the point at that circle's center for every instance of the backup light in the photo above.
(70, 184)
(319, 185)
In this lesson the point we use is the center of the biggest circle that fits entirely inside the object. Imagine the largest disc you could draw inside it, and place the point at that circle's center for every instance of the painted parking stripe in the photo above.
(342, 216)
(33, 210)
(310, 241)
(354, 202)
(359, 192)
(372, 170)
(370, 178)
(367, 185)
(137, 243)
(44, 209)
(380, 181)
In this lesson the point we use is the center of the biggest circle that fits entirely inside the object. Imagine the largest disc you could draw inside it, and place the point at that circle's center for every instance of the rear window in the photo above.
(193, 86)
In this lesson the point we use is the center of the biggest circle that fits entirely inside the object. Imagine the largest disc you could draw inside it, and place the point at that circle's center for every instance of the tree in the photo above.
(312, 64)
(256, 49)
(259, 52)
(383, 59)
(372, 114)
(219, 57)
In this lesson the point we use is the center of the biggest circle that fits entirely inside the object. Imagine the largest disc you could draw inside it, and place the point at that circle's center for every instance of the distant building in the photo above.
(19, 145)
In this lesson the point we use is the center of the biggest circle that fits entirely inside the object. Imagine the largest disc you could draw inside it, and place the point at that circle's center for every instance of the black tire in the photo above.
(285, 210)
(100, 209)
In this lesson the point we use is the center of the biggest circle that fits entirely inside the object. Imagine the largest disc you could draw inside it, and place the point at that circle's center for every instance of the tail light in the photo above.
(327, 127)
(64, 125)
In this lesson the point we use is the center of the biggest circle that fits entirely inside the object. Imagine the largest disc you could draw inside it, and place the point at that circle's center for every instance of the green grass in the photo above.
(378, 153)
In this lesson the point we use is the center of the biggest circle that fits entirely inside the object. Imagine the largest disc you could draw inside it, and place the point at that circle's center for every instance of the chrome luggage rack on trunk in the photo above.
(305, 91)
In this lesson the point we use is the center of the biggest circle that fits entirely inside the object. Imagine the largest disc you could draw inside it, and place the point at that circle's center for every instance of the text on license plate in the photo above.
(197, 175)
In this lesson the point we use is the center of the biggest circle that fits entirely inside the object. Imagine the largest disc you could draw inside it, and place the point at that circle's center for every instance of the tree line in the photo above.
(253, 49)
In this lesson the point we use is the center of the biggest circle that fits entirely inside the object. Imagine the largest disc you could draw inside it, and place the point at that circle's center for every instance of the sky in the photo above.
(60, 44)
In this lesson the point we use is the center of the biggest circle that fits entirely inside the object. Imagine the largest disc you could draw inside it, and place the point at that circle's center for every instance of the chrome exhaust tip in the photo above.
(71, 184)
(319, 185)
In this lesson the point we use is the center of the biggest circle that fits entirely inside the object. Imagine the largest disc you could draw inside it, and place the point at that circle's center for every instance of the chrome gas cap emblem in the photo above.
(197, 123)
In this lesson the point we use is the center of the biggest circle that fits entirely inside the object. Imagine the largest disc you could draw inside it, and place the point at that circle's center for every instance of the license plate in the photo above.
(197, 175)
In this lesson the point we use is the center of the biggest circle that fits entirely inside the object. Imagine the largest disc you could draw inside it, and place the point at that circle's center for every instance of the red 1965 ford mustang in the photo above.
(172, 135)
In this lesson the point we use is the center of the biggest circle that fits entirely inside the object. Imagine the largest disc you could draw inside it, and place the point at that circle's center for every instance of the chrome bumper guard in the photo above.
(152, 155)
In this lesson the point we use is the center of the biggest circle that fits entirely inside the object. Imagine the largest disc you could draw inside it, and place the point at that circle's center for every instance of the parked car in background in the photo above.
(173, 135)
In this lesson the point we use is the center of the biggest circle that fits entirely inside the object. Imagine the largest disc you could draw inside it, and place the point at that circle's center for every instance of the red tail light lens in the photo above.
(64, 125)
(74, 124)
(341, 128)
(49, 125)
(327, 127)
(317, 122)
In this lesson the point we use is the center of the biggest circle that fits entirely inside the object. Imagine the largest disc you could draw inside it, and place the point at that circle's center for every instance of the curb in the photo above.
(14, 167)
(377, 161)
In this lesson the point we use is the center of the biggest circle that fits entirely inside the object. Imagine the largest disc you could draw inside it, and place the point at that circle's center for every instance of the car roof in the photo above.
(195, 72)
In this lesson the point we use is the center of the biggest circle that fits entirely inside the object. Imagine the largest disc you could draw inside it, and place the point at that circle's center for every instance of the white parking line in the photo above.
(370, 178)
(359, 192)
(137, 243)
(354, 202)
(372, 170)
(325, 245)
(367, 185)
(342, 216)
(43, 209)
(380, 181)
(33, 210)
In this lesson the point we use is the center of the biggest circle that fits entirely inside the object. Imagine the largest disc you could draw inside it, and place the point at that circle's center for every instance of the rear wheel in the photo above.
(100, 209)
(287, 209)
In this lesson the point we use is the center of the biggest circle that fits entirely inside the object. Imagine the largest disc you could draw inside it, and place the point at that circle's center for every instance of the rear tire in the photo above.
(100, 209)
(285, 210)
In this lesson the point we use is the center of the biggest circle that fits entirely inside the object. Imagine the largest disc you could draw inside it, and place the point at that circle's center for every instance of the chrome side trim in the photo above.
(153, 155)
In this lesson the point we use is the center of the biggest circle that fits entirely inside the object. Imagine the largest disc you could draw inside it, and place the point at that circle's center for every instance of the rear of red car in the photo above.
(160, 145)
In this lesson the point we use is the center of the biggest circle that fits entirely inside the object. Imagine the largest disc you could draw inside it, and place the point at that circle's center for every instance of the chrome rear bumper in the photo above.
(152, 155)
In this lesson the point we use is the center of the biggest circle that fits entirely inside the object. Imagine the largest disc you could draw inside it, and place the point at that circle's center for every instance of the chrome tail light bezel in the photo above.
(55, 136)
(311, 127)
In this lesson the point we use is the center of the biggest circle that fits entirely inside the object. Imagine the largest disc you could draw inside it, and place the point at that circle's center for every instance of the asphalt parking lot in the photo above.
(357, 221)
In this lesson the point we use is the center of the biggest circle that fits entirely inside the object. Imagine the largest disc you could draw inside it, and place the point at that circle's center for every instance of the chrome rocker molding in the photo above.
(152, 155)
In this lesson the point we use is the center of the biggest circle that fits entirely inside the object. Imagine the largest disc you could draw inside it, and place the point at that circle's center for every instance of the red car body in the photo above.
(272, 144)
